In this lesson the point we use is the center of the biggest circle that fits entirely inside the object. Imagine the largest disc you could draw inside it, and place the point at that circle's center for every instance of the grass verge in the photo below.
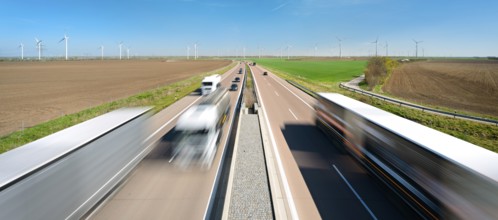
(479, 134)
(249, 96)
(158, 98)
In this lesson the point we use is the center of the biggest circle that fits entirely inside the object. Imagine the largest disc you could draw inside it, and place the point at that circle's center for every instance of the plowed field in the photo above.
(461, 85)
(34, 92)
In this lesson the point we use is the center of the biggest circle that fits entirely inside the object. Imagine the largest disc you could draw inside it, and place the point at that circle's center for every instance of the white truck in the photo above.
(210, 83)
(199, 130)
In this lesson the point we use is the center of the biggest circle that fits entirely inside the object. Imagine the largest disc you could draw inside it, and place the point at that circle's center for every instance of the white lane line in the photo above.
(311, 107)
(293, 114)
(276, 93)
(356, 194)
(285, 182)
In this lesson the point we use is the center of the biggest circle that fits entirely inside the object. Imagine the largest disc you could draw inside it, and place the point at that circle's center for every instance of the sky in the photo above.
(268, 27)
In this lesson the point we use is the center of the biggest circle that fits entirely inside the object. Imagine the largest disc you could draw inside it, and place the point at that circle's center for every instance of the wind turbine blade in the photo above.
(62, 40)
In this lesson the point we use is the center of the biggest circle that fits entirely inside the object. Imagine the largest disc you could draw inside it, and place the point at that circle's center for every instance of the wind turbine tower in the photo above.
(416, 47)
(22, 51)
(195, 50)
(65, 38)
(39, 46)
(340, 47)
(376, 43)
(188, 52)
(120, 47)
(101, 52)
(128, 53)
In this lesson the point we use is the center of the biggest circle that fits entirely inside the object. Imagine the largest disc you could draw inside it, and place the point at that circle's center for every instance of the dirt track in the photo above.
(34, 92)
(462, 85)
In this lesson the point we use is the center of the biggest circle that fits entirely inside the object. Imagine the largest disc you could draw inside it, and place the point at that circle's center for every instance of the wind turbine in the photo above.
(127, 53)
(101, 52)
(22, 51)
(195, 50)
(65, 38)
(120, 46)
(416, 47)
(288, 48)
(39, 46)
(375, 42)
(340, 47)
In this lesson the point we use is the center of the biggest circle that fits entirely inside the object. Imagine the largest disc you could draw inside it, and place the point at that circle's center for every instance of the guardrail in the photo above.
(64, 175)
(302, 88)
(387, 99)
(422, 108)
(209, 209)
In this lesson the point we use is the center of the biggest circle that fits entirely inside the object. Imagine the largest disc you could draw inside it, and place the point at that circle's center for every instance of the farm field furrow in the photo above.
(467, 86)
(34, 92)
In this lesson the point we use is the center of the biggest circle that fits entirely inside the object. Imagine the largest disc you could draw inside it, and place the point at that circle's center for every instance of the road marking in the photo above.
(356, 194)
(311, 107)
(285, 182)
(293, 114)
(276, 93)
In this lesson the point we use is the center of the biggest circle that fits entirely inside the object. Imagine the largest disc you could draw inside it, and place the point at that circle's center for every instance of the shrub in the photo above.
(378, 70)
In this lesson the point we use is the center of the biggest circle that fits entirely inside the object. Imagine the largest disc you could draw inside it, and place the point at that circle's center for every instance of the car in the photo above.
(237, 79)
(234, 87)
(265, 73)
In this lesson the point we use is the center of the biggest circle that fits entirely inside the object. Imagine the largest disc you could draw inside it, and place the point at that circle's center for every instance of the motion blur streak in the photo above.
(65, 174)
(200, 130)
(438, 175)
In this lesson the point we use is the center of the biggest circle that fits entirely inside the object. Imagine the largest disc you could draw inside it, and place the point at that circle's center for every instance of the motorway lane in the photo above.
(158, 190)
(324, 183)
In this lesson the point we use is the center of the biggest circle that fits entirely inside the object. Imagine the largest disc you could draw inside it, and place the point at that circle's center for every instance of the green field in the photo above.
(317, 70)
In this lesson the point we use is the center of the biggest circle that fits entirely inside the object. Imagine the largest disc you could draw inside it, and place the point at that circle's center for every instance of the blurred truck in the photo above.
(199, 130)
(210, 84)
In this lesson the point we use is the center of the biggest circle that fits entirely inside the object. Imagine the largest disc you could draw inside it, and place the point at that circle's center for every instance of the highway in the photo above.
(322, 181)
(156, 189)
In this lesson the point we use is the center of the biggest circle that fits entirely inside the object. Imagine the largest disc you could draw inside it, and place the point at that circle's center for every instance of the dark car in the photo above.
(237, 79)
(265, 73)
(234, 87)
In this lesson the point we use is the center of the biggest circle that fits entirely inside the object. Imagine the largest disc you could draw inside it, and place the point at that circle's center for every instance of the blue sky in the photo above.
(167, 27)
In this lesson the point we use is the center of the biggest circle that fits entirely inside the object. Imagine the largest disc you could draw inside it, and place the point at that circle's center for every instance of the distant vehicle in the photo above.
(237, 79)
(265, 73)
(200, 130)
(240, 71)
(234, 87)
(210, 83)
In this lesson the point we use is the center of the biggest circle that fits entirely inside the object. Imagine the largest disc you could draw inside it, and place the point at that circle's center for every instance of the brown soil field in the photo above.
(470, 86)
(34, 92)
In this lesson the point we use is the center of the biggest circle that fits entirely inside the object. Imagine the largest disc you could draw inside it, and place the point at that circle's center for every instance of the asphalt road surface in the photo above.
(156, 189)
(323, 182)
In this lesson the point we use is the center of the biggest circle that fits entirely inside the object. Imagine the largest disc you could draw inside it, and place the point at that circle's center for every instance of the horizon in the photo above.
(309, 28)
